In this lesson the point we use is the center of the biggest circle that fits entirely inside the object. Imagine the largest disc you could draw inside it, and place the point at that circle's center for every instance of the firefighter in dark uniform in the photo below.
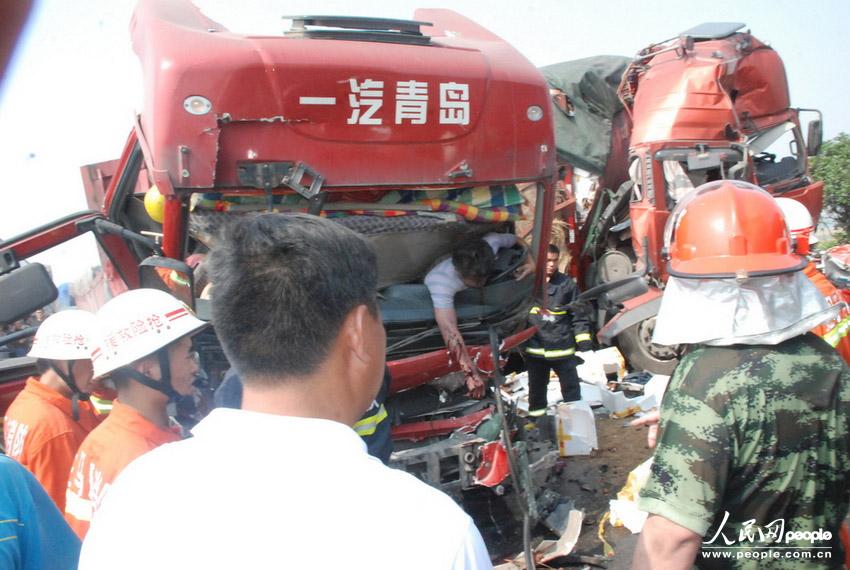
(561, 331)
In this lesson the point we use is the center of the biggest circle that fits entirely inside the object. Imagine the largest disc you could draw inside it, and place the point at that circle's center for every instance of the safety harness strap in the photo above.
(77, 394)
(164, 384)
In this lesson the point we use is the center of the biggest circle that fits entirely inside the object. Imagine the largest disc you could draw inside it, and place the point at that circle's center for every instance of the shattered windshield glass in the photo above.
(775, 153)
(685, 169)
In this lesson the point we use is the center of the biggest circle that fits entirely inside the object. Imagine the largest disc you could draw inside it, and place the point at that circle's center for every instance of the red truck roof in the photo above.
(692, 87)
(437, 102)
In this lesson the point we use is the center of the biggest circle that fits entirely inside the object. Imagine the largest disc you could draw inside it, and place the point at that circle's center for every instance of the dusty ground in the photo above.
(591, 481)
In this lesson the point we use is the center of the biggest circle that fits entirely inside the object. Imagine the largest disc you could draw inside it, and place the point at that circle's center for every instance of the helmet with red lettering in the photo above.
(726, 229)
(66, 335)
(137, 324)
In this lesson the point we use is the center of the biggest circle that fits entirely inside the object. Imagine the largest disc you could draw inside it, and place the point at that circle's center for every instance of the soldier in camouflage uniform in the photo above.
(752, 467)
(759, 432)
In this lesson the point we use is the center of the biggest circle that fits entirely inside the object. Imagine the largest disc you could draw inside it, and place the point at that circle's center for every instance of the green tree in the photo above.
(832, 165)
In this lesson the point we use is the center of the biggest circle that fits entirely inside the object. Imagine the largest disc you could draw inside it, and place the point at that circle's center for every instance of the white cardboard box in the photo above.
(575, 428)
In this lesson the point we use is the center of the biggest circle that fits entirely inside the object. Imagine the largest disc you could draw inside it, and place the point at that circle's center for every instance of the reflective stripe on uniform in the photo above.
(537, 413)
(102, 406)
(839, 331)
(369, 424)
(582, 336)
(550, 353)
(178, 278)
(78, 507)
(536, 311)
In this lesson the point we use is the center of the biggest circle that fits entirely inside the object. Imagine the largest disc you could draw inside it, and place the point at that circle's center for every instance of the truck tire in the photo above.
(641, 354)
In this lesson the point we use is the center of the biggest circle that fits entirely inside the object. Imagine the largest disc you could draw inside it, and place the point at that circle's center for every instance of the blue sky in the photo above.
(70, 95)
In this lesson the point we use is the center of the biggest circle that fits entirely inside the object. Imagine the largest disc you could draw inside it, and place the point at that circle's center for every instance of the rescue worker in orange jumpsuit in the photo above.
(51, 416)
(146, 349)
(801, 226)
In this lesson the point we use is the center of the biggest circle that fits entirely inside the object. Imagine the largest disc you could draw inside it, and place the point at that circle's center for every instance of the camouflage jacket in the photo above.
(760, 433)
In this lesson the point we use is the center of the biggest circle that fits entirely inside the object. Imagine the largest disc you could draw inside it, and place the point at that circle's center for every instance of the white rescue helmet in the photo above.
(66, 335)
(800, 224)
(138, 323)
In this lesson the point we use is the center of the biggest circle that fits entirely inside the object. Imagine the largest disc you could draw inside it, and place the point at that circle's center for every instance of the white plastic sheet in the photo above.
(656, 386)
(624, 511)
(598, 364)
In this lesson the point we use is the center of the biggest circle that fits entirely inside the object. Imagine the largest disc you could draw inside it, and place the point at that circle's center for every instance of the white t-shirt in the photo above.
(443, 281)
(253, 490)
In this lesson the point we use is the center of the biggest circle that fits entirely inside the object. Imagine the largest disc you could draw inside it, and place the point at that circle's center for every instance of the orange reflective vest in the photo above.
(122, 437)
(834, 331)
(41, 434)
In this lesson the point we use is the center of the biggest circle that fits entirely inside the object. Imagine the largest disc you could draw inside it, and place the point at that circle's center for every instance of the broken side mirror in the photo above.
(24, 290)
(169, 275)
(814, 140)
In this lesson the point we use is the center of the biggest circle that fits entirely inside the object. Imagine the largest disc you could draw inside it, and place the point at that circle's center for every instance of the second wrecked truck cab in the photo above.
(711, 103)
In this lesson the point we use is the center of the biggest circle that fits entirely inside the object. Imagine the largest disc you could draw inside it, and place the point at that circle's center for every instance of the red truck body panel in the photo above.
(449, 110)
(345, 108)
(694, 98)
(713, 93)
(416, 370)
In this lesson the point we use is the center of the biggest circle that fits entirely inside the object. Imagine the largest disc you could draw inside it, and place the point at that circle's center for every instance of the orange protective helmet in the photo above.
(728, 228)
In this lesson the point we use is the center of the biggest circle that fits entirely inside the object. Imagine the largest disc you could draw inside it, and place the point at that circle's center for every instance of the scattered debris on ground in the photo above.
(593, 481)
(598, 451)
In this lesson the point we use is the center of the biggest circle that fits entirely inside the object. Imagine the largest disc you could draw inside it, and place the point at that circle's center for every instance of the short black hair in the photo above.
(282, 286)
(473, 258)
(553, 249)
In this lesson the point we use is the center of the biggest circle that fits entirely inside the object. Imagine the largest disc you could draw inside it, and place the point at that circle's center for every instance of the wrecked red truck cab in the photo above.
(416, 134)
(338, 116)
(711, 103)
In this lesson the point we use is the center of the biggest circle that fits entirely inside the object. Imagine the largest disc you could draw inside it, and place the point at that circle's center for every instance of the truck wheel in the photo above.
(635, 343)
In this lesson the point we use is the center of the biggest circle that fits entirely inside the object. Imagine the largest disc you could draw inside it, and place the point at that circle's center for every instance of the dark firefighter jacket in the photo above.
(561, 327)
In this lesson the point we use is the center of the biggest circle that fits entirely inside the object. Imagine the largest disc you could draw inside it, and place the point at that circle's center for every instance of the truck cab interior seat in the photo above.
(409, 303)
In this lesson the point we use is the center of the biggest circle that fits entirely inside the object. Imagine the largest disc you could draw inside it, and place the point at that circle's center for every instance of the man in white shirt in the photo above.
(285, 482)
(468, 267)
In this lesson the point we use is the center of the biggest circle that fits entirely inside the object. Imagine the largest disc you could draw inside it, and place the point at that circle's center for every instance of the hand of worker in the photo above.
(651, 419)
(457, 351)
(475, 386)
(584, 345)
(525, 269)
(195, 260)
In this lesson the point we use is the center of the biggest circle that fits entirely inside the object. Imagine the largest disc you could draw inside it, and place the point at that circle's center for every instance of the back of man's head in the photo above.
(283, 286)
(473, 258)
